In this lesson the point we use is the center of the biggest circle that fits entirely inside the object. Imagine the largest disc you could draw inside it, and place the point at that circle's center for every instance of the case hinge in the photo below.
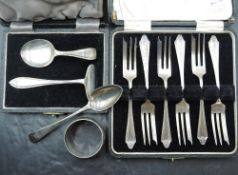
(87, 25)
(21, 26)
(137, 25)
(210, 26)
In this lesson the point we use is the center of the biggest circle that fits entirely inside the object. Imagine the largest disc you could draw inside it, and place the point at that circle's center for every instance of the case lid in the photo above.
(173, 10)
(38, 10)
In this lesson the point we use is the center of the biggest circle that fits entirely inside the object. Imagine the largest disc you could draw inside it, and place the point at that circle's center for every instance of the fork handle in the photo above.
(214, 47)
(130, 138)
(202, 133)
(180, 47)
(166, 137)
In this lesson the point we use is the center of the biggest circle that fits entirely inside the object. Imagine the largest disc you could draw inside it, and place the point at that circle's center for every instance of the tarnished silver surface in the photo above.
(199, 69)
(40, 53)
(84, 138)
(101, 99)
(218, 109)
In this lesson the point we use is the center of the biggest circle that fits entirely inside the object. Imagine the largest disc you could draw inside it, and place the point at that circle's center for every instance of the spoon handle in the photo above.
(86, 54)
(45, 131)
(28, 82)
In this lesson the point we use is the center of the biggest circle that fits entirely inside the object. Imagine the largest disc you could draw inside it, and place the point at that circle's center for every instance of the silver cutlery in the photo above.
(164, 70)
(199, 69)
(101, 99)
(218, 109)
(40, 53)
(148, 122)
(27, 82)
(182, 108)
(130, 73)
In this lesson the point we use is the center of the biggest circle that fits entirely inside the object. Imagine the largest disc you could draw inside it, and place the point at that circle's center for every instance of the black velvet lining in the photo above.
(192, 94)
(62, 68)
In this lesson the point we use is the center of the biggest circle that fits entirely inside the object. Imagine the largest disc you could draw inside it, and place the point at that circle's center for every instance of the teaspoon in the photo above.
(101, 99)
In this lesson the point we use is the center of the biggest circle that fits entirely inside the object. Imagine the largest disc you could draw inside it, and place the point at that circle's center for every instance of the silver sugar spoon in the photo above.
(40, 53)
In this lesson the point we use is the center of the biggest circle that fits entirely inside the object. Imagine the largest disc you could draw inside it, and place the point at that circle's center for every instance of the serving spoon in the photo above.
(101, 99)
(40, 53)
(28, 82)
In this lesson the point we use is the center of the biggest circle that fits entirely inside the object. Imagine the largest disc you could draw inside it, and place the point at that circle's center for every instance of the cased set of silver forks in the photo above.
(182, 108)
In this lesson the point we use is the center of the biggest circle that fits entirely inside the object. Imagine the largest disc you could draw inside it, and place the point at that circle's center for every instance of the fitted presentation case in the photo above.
(171, 18)
(65, 35)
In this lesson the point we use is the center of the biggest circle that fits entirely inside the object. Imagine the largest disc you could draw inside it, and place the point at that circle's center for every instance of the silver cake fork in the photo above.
(164, 70)
(199, 69)
(218, 109)
(147, 109)
(182, 108)
(130, 73)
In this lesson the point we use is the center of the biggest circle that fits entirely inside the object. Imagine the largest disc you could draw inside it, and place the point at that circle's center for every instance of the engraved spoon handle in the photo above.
(86, 54)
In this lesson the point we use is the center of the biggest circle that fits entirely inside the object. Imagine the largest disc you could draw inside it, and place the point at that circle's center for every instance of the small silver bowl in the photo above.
(84, 138)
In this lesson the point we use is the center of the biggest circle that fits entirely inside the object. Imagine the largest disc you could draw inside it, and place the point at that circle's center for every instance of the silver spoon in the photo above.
(40, 53)
(28, 82)
(101, 99)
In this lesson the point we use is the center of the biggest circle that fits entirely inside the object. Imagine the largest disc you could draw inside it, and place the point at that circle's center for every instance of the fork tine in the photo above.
(178, 127)
(218, 123)
(165, 52)
(135, 55)
(130, 54)
(199, 51)
(147, 119)
(214, 127)
(188, 128)
(159, 54)
(124, 50)
(183, 128)
(204, 51)
(143, 127)
(168, 61)
(153, 128)
(193, 54)
(224, 128)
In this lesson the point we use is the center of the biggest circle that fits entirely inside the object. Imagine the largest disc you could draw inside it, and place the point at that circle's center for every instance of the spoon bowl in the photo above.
(103, 98)
(40, 53)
